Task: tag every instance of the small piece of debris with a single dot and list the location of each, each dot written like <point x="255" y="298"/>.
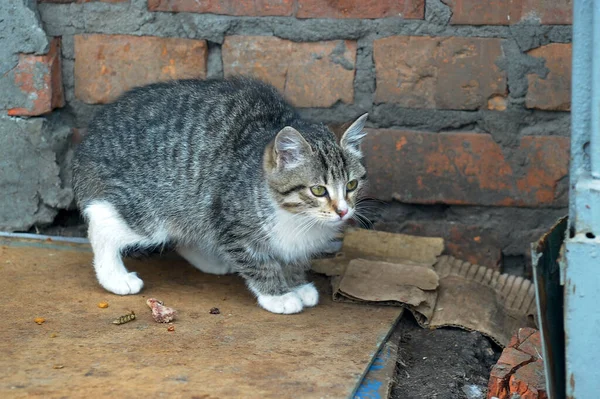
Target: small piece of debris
<point x="160" y="312"/>
<point x="215" y="311"/>
<point x="103" y="305"/>
<point x="39" y="320"/>
<point x="53" y="335"/>
<point x="473" y="392"/>
<point x="58" y="366"/>
<point x="171" y="328"/>
<point x="125" y="318"/>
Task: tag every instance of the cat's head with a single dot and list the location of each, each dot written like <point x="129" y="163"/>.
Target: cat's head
<point x="310" y="173"/>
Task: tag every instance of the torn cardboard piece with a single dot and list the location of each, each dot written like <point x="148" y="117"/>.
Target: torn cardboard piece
<point x="377" y="281"/>
<point x="439" y="290"/>
<point x="478" y="298"/>
<point x="382" y="246"/>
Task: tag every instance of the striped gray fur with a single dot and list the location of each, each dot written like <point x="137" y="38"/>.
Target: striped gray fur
<point x="221" y="166"/>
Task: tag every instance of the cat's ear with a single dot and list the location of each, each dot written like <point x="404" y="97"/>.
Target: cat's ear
<point x="290" y="148"/>
<point x="353" y="136"/>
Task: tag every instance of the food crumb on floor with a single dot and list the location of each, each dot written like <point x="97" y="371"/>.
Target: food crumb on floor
<point x="125" y="318"/>
<point x="39" y="320"/>
<point x="215" y="311"/>
<point x="160" y="312"/>
<point x="103" y="305"/>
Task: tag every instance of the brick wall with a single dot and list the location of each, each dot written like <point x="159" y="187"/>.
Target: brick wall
<point x="468" y="100"/>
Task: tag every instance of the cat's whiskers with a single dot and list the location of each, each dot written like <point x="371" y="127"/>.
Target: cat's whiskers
<point x="362" y="219"/>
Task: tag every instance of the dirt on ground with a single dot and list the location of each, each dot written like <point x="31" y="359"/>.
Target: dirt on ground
<point x="446" y="363"/>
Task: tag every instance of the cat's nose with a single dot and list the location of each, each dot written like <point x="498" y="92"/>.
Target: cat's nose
<point x="342" y="212"/>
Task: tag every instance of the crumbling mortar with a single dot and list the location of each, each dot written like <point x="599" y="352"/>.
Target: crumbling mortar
<point x="364" y="79"/>
<point x="214" y="62"/>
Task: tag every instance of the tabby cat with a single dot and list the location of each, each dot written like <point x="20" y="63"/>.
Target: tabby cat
<point x="227" y="172"/>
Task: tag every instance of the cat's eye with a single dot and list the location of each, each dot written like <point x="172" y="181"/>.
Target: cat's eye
<point x="318" y="191"/>
<point x="352" y="184"/>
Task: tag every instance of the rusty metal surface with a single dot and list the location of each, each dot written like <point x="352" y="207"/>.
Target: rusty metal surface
<point x="242" y="352"/>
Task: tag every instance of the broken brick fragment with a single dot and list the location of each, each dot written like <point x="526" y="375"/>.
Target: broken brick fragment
<point x="520" y="370"/>
<point x="510" y="360"/>
<point x="529" y="381"/>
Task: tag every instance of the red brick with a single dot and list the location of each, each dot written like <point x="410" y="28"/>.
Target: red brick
<point x="465" y="168"/>
<point x="309" y="74"/>
<point x="510" y="360"/>
<point x="554" y="91"/>
<point x="409" y="9"/>
<point x="39" y="77"/>
<point x="465" y="242"/>
<point x="529" y="381"/>
<point x="81" y="1"/>
<point x="502" y="12"/>
<point x="548" y="12"/>
<point x="108" y="65"/>
<point x="520" y="369"/>
<point x="438" y="72"/>
<point x="532" y="345"/>
<point x="521" y="336"/>
<point x="255" y="8"/>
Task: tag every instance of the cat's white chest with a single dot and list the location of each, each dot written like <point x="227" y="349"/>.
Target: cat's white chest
<point x="295" y="238"/>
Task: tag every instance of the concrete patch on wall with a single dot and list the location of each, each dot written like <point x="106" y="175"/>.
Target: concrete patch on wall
<point x="30" y="176"/>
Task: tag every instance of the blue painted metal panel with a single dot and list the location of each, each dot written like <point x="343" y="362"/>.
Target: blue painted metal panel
<point x="595" y="98"/>
<point x="587" y="205"/>
<point x="582" y="318"/>
<point x="582" y="269"/>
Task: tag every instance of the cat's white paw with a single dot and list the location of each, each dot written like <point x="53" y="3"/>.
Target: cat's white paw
<point x="122" y="284"/>
<point x="284" y="304"/>
<point x="308" y="294"/>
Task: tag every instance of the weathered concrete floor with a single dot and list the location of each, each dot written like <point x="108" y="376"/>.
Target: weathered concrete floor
<point x="242" y="352"/>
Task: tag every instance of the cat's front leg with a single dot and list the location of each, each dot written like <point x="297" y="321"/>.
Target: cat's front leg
<point x="268" y="282"/>
<point x="296" y="278"/>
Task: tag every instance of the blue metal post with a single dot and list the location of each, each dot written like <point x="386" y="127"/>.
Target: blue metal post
<point x="595" y="99"/>
<point x="582" y="269"/>
<point x="581" y="93"/>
